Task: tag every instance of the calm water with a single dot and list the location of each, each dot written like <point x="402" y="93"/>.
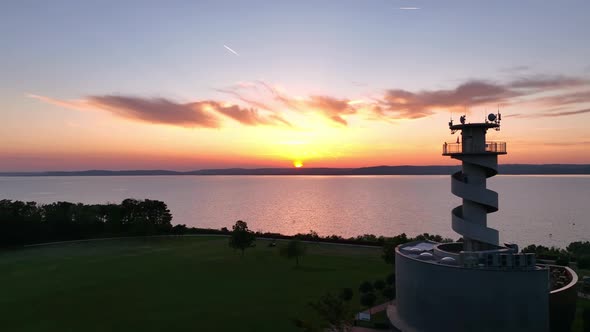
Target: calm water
<point x="550" y="210"/>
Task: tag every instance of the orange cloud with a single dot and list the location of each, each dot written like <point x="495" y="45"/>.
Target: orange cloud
<point x="203" y="114"/>
<point x="330" y="107"/>
<point x="158" y="110"/>
<point x="266" y="103"/>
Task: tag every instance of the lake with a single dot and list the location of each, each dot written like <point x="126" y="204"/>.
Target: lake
<point x="547" y="209"/>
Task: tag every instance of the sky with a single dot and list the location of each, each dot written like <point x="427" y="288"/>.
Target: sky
<point x="187" y="85"/>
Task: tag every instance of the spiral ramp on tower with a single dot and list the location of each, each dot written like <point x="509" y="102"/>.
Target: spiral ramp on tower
<point x="475" y="193"/>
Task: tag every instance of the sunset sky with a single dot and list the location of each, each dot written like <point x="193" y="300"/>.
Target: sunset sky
<point x="188" y="85"/>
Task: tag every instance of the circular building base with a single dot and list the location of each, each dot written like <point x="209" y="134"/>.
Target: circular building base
<point x="440" y="294"/>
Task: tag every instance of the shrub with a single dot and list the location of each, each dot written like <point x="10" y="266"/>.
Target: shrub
<point x="366" y="287"/>
<point x="346" y="294"/>
<point x="294" y="249"/>
<point x="368" y="299"/>
<point x="389" y="293"/>
<point x="562" y="260"/>
<point x="584" y="262"/>
<point x="379" y="284"/>
<point x="390" y="280"/>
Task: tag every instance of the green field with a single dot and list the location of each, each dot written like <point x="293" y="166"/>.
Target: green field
<point x="171" y="284"/>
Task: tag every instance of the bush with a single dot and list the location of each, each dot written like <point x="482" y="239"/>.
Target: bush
<point x="334" y="313"/>
<point x="381" y="325"/>
<point x="543" y="252"/>
<point x="368" y="299"/>
<point x="579" y="248"/>
<point x="586" y="319"/>
<point x="379" y="284"/>
<point x="366" y="287"/>
<point x="389" y="293"/>
<point x="390" y="280"/>
<point x="294" y="249"/>
<point x="584" y="262"/>
<point x="432" y="237"/>
<point x="346" y="294"/>
<point x="389" y="247"/>
<point x="562" y="261"/>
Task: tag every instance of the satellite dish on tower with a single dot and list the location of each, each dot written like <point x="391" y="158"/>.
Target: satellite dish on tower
<point x="492" y="117"/>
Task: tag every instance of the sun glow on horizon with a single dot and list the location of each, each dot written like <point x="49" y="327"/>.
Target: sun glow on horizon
<point x="297" y="163"/>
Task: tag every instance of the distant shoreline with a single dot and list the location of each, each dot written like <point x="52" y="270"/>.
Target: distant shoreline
<point x="508" y="169"/>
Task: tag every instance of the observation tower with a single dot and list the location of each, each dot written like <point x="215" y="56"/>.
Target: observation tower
<point x="477" y="284"/>
<point x="479" y="162"/>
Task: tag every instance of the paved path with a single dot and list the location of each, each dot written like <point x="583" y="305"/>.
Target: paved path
<point x="364" y="329"/>
<point x="373" y="310"/>
<point x="377" y="308"/>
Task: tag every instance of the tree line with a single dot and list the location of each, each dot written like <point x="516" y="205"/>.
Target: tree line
<point x="24" y="223"/>
<point x="576" y="251"/>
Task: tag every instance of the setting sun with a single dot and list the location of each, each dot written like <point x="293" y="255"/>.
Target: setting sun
<point x="297" y="163"/>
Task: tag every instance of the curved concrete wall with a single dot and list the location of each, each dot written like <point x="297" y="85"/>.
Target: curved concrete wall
<point x="435" y="297"/>
<point x="562" y="303"/>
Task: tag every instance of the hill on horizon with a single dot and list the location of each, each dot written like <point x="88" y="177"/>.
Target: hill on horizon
<point x="372" y="170"/>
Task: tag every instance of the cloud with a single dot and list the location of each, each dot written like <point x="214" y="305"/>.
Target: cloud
<point x="515" y="69"/>
<point x="403" y="104"/>
<point x="394" y="104"/>
<point x="543" y="82"/>
<point x="567" y="98"/>
<point x="251" y="102"/>
<point x="250" y="116"/>
<point x="566" y="143"/>
<point x="549" y="114"/>
<point x="78" y="104"/>
<point x="158" y="110"/>
<point x="260" y="103"/>
<point x="331" y="108"/>
<point x="413" y="105"/>
<point x="201" y="114"/>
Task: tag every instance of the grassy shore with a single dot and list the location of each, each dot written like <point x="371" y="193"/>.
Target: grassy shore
<point x="172" y="284"/>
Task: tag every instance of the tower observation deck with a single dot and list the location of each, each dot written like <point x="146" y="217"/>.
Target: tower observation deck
<point x="479" y="161"/>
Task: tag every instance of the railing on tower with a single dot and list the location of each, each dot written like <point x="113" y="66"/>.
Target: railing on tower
<point x="490" y="147"/>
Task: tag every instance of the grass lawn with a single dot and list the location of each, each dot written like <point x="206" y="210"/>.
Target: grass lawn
<point x="172" y="284"/>
<point x="579" y="323"/>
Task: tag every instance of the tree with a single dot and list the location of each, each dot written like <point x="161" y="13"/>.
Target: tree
<point x="583" y="262"/>
<point x="346" y="294"/>
<point x="579" y="248"/>
<point x="293" y="249"/>
<point x="389" y="293"/>
<point x="306" y="325"/>
<point x="433" y="237"/>
<point x="368" y="300"/>
<point x="366" y="287"/>
<point x="389" y="247"/>
<point x="379" y="284"/>
<point x="335" y="314"/>
<point x="241" y="237"/>
<point x="390" y="280"/>
<point x="586" y="319"/>
<point x="26" y="222"/>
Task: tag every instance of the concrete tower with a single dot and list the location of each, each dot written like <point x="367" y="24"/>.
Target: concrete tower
<point x="480" y="161"/>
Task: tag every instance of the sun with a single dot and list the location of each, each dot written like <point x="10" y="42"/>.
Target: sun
<point x="297" y="163"/>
